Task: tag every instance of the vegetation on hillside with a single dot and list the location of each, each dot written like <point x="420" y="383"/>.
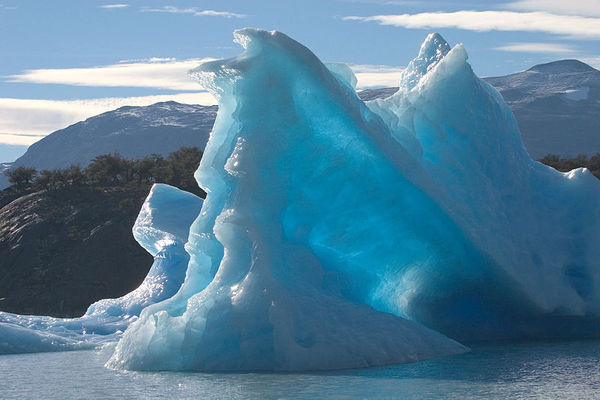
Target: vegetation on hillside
<point x="567" y="164"/>
<point x="110" y="170"/>
<point x="65" y="235"/>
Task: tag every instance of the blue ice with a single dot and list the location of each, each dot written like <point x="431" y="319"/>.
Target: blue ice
<point x="331" y="226"/>
<point x="339" y="234"/>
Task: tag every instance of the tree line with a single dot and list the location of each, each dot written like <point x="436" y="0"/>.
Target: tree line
<point x="177" y="169"/>
<point x="111" y="170"/>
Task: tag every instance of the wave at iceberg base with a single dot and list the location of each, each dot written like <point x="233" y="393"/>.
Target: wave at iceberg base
<point x="161" y="228"/>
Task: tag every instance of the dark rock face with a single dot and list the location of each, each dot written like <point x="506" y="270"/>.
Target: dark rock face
<point x="62" y="250"/>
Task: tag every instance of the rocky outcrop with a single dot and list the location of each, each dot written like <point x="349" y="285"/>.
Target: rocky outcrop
<point x="61" y="250"/>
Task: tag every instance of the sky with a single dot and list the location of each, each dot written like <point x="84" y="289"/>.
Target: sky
<point x="64" y="61"/>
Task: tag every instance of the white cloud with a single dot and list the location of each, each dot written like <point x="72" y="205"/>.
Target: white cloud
<point x="528" y="47"/>
<point x="24" y="121"/>
<point x="168" y="73"/>
<point x="153" y="74"/>
<point x="19" y="140"/>
<point x="111" y="6"/>
<point x="148" y="60"/>
<point x="194" y="11"/>
<point x="569" y="25"/>
<point x="576" y="7"/>
<point x="370" y="76"/>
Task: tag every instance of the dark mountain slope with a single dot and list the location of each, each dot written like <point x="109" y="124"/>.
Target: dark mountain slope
<point x="61" y="250"/>
<point x="557" y="106"/>
<point x="65" y="236"/>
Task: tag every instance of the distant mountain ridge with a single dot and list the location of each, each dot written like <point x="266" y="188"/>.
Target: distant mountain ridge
<point x="562" y="66"/>
<point x="133" y="132"/>
<point x="557" y="106"/>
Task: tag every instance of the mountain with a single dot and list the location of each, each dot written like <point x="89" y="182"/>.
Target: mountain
<point x="133" y="132"/>
<point x="557" y="106"/>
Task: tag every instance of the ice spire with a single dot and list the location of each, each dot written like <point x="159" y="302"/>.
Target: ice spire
<point x="433" y="49"/>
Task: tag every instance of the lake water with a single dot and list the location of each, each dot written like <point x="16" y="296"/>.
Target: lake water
<point x="516" y="371"/>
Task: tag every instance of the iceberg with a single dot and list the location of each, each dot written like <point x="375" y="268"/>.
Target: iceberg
<point x="322" y="211"/>
<point x="162" y="228"/>
<point x="342" y="234"/>
<point x="300" y="187"/>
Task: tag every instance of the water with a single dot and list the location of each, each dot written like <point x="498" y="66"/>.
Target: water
<point x="522" y="371"/>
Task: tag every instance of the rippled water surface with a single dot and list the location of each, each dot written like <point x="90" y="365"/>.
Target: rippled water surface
<point x="524" y="371"/>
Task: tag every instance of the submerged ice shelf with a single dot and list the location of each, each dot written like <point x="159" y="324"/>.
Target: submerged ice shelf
<point x="339" y="234"/>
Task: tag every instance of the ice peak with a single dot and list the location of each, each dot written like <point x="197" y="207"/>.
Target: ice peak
<point x="433" y="49"/>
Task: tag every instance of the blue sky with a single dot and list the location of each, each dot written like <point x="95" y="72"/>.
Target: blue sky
<point x="63" y="61"/>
